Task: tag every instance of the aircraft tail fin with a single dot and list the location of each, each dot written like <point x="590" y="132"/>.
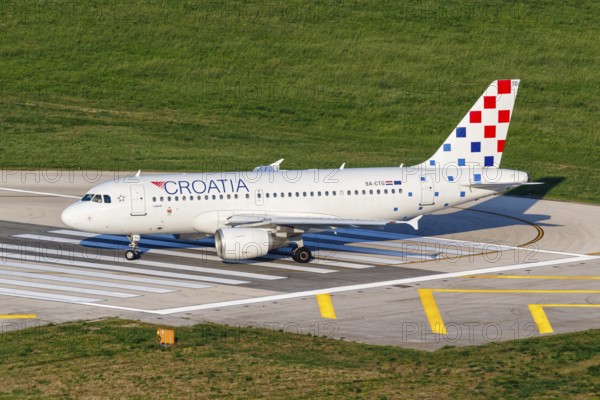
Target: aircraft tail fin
<point x="478" y="140"/>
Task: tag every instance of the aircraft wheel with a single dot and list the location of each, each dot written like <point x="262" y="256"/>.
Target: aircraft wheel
<point x="132" y="255"/>
<point x="302" y="255"/>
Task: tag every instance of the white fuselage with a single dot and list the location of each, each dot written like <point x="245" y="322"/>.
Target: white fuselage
<point x="203" y="202"/>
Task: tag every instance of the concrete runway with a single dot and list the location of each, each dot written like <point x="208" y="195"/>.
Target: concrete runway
<point x="501" y="269"/>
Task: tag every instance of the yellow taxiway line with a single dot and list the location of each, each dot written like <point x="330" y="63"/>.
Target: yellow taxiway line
<point x="17" y="316"/>
<point x="560" y="277"/>
<point x="326" y="305"/>
<point x="436" y="323"/>
<point x="541" y="319"/>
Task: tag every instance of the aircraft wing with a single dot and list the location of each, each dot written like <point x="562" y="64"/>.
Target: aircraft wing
<point x="307" y="223"/>
<point x="498" y="187"/>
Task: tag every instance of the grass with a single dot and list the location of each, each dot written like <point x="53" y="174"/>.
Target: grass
<point x="163" y="85"/>
<point x="119" y="358"/>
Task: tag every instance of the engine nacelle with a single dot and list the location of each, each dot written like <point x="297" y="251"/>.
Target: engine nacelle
<point x="245" y="243"/>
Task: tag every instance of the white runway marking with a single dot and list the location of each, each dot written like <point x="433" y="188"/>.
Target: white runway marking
<point x="108" y="267"/>
<point x="288" y="267"/>
<point x="47" y="296"/>
<point x="62" y="288"/>
<point x="356" y="257"/>
<point x="143" y="242"/>
<point x="163" y="282"/>
<point x="420" y="246"/>
<point x="316" y="239"/>
<point x="446" y="242"/>
<point x="98" y="257"/>
<point x="326" y="262"/>
<point x="203" y="257"/>
<point x="205" y="247"/>
<point x="196" y="245"/>
<point x="90" y="282"/>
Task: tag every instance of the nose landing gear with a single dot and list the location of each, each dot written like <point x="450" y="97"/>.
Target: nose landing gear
<point x="133" y="253"/>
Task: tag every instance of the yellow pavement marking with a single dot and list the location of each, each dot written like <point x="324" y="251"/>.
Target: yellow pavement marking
<point x="432" y="311"/>
<point x="326" y="306"/>
<point x="512" y="291"/>
<point x="541" y="319"/>
<point x="17" y="316"/>
<point x="585" y="278"/>
<point x="436" y="323"/>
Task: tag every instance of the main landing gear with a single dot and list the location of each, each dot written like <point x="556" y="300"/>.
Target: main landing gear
<point x="133" y="253"/>
<point x="301" y="254"/>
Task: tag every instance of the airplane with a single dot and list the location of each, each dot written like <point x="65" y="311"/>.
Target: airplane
<point x="253" y="212"/>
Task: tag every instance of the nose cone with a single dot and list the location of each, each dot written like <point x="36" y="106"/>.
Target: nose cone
<point x="70" y="216"/>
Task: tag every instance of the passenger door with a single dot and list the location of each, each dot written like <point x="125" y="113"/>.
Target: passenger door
<point x="138" y="200"/>
<point x="427" y="190"/>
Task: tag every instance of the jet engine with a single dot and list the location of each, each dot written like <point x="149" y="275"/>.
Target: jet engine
<point x="244" y="243"/>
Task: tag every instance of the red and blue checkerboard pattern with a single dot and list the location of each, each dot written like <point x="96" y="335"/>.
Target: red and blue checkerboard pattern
<point x="479" y="139"/>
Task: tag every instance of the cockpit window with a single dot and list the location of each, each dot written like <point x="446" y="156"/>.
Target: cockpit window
<point x="96" y="198"/>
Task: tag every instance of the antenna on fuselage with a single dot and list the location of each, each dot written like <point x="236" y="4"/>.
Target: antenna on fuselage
<point x="343" y="165"/>
<point x="137" y="175"/>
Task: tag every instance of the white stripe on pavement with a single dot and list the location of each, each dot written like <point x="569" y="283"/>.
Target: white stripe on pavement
<point x="203" y="257"/>
<point x="356" y="257"/>
<point x="62" y="288"/>
<point x="108" y="267"/>
<point x="151" y="263"/>
<point x="84" y="281"/>
<point x="46" y="296"/>
<point x="163" y="282"/>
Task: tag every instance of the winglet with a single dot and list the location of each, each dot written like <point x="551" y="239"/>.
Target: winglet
<point x="271" y="167"/>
